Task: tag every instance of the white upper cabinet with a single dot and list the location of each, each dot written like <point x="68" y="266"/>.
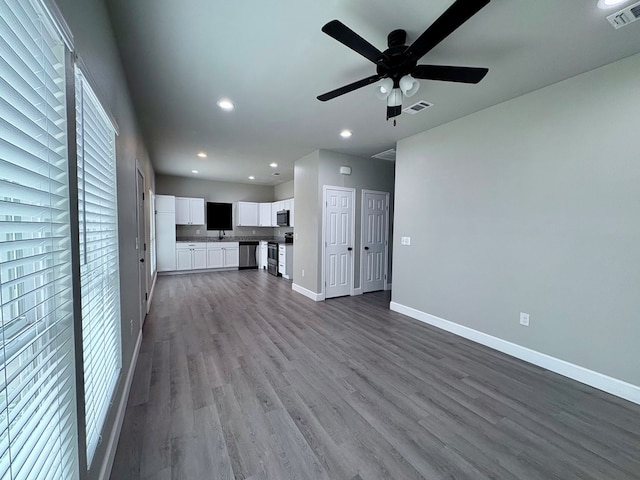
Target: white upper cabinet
<point x="265" y="215"/>
<point x="165" y="204"/>
<point x="291" y="212"/>
<point x="196" y="206"/>
<point x="189" y="211"/>
<point x="275" y="208"/>
<point x="248" y="214"/>
<point x="288" y="205"/>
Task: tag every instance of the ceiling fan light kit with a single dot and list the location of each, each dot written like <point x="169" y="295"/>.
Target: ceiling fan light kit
<point x="397" y="70"/>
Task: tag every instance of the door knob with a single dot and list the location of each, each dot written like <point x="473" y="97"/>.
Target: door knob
<point x="349" y="248"/>
<point x="142" y="260"/>
<point x="366" y="248"/>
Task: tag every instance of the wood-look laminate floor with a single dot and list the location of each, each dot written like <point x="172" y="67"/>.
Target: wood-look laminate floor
<point x="241" y="378"/>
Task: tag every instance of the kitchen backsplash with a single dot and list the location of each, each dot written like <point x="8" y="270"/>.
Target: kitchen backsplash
<point x="201" y="231"/>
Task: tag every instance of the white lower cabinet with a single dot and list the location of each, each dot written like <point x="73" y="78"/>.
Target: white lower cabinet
<point x="191" y="256"/>
<point x="223" y="254"/>
<point x="285" y="261"/>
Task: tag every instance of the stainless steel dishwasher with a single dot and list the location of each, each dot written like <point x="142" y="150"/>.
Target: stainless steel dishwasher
<point x="248" y="255"/>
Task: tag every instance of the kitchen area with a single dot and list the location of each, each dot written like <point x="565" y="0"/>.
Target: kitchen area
<point x="195" y="235"/>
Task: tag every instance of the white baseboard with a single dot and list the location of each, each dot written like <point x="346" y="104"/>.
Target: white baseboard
<point x="357" y="291"/>
<point x="594" y="379"/>
<point x="316" y="297"/>
<point x="153" y="289"/>
<point x="112" y="446"/>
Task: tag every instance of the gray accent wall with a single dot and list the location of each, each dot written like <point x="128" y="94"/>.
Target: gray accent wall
<point x="95" y="44"/>
<point x="311" y="174"/>
<point x="531" y="206"/>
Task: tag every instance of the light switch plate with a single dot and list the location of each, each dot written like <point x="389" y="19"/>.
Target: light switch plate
<point x="405" y="240"/>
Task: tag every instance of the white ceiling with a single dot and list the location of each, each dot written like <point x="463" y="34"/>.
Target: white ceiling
<point x="272" y="60"/>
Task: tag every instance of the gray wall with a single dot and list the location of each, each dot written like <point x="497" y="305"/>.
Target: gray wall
<point x="307" y="216"/>
<point x="531" y="206"/>
<point x="283" y="191"/>
<point x="312" y="173"/>
<point x="213" y="191"/>
<point x="95" y="43"/>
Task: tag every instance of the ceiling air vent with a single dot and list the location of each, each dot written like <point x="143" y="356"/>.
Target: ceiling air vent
<point x="386" y="155"/>
<point x="418" y="107"/>
<point x="625" y="16"/>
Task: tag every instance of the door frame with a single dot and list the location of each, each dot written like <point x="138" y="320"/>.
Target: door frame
<point x="386" y="238"/>
<point x="142" y="243"/>
<point x="352" y="191"/>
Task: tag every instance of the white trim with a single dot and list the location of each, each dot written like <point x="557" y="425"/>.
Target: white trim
<point x="386" y="235"/>
<point x="352" y="265"/>
<point x="107" y="464"/>
<point x="142" y="242"/>
<point x="387" y="286"/>
<point x="153" y="289"/>
<point x="316" y="297"/>
<point x="357" y="291"/>
<point x="594" y="379"/>
<point x="59" y="23"/>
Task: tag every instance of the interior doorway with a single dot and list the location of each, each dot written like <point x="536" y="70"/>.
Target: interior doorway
<point x="338" y="234"/>
<point x="374" y="240"/>
<point x="141" y="245"/>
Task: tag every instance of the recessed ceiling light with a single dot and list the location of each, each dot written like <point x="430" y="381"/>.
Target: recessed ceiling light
<point x="202" y="154"/>
<point x="273" y="165"/>
<point x="604" y="4"/>
<point x="345" y="133"/>
<point x="194" y="171"/>
<point x="251" y="177"/>
<point x="225" y="104"/>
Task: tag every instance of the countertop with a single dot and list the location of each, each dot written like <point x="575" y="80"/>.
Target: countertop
<point x="214" y="238"/>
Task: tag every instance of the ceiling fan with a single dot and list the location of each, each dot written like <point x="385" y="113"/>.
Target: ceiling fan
<point x="397" y="66"/>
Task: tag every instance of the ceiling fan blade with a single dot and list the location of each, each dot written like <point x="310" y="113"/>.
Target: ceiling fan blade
<point x="449" y="21"/>
<point x="349" y="88"/>
<point x="339" y="31"/>
<point x="449" y="74"/>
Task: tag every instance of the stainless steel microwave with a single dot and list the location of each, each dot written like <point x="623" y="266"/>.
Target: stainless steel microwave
<point x="283" y="218"/>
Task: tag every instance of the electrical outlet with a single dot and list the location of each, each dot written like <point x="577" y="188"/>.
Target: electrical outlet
<point x="303" y="272"/>
<point x="405" y="240"/>
<point x="131" y="326"/>
<point x="524" y="319"/>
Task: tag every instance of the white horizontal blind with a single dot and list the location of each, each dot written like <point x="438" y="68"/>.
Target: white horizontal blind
<point x="99" y="272"/>
<point x="38" y="429"/>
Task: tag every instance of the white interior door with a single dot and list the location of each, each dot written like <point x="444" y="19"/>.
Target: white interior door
<point x="375" y="227"/>
<point x="339" y="233"/>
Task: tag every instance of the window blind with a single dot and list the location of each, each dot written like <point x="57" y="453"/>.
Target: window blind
<point x="38" y="429"/>
<point x="99" y="272"/>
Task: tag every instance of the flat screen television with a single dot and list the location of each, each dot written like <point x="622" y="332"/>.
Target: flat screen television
<point x="219" y="216"/>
